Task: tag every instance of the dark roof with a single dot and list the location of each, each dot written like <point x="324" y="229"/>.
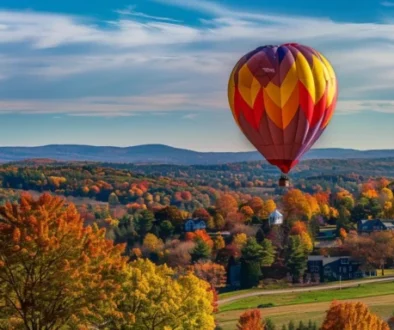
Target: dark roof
<point x="326" y="260"/>
<point x="369" y="224"/>
<point x="195" y="220"/>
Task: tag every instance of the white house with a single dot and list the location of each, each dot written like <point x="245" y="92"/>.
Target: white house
<point x="275" y="218"/>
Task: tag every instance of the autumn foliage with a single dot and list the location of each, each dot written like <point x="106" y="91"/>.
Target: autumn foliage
<point x="199" y="234"/>
<point x="161" y="300"/>
<point x="210" y="272"/>
<point x="250" y="320"/>
<point x="53" y="270"/>
<point x="352" y="316"/>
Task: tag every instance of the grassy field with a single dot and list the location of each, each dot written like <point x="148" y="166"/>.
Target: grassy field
<point x="371" y="289"/>
<point x="387" y="273"/>
<point x="381" y="305"/>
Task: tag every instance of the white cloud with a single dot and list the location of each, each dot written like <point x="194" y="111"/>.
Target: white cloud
<point x="190" y="116"/>
<point x="142" y="62"/>
<point x="116" y="106"/>
<point x="387" y="4"/>
<point x="129" y="11"/>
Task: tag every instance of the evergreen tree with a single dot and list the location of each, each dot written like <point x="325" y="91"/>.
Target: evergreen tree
<point x="253" y="251"/>
<point x="260" y="236"/>
<point x="291" y="325"/>
<point x="284" y="327"/>
<point x="269" y="325"/>
<point x="268" y="255"/>
<point x="252" y="256"/>
<point x="143" y="223"/>
<point x="166" y="229"/>
<point x="201" y="251"/>
<point x="250" y="273"/>
<point x="296" y="259"/>
<point x="155" y="230"/>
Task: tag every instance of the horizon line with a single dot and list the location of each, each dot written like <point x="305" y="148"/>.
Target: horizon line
<point x="170" y="146"/>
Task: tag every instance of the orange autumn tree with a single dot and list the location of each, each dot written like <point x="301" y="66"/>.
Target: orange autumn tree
<point x="226" y="204"/>
<point x="199" y="234"/>
<point x="296" y="204"/>
<point x="54" y="271"/>
<point x="250" y="320"/>
<point x="298" y="228"/>
<point x="352" y="316"/>
<point x="210" y="272"/>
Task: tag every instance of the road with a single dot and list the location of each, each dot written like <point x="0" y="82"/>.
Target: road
<point x="311" y="288"/>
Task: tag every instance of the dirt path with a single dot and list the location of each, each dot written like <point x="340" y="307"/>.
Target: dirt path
<point x="313" y="288"/>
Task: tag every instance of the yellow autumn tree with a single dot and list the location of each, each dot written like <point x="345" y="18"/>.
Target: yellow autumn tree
<point x="240" y="240"/>
<point x="54" y="272"/>
<point x="306" y="242"/>
<point x="297" y="205"/>
<point x="152" y="243"/>
<point x="161" y="300"/>
<point x="268" y="207"/>
<point x="352" y="316"/>
<point x="219" y="243"/>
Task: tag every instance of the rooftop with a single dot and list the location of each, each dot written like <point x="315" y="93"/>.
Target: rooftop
<point x="326" y="260"/>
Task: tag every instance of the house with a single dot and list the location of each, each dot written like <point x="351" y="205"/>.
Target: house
<point x="336" y="268"/>
<point x="192" y="225"/>
<point x="369" y="226"/>
<point x="275" y="218"/>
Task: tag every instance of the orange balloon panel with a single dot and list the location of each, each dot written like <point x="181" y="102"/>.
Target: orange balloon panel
<point x="282" y="98"/>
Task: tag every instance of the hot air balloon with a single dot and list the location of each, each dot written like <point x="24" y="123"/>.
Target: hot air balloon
<point x="282" y="98"/>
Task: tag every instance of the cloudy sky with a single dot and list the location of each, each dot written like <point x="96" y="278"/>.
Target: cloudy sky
<point x="155" y="71"/>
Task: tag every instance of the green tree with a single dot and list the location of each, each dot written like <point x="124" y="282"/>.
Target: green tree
<point x="252" y="257"/>
<point x="291" y="325"/>
<point x="144" y="223"/>
<point x="296" y="258"/>
<point x="201" y="251"/>
<point x="166" y="229"/>
<point x="269" y="324"/>
<point x="268" y="256"/>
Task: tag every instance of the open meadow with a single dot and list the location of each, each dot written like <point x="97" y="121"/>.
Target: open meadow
<point x="381" y="305"/>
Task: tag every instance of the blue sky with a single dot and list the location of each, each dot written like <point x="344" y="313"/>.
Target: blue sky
<point x="156" y="71"/>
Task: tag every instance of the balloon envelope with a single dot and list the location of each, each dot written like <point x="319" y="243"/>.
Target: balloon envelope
<point x="282" y="98"/>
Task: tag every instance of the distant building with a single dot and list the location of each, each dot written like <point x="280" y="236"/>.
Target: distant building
<point x="192" y="225"/>
<point x="335" y="268"/>
<point x="275" y="218"/>
<point x="369" y="226"/>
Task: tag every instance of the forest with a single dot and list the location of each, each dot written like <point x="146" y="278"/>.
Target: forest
<point x="120" y="232"/>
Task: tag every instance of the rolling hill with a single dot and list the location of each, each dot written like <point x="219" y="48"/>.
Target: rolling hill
<point x="163" y="154"/>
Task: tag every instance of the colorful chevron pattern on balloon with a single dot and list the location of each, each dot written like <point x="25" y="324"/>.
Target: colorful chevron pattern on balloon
<point x="282" y="98"/>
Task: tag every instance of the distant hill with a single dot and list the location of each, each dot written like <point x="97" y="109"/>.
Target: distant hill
<point x="162" y="154"/>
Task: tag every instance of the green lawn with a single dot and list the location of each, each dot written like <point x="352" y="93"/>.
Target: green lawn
<point x="387" y="273"/>
<point x="367" y="290"/>
<point x="228" y="320"/>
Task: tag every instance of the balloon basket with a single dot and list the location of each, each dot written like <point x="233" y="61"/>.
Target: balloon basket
<point x="284" y="181"/>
